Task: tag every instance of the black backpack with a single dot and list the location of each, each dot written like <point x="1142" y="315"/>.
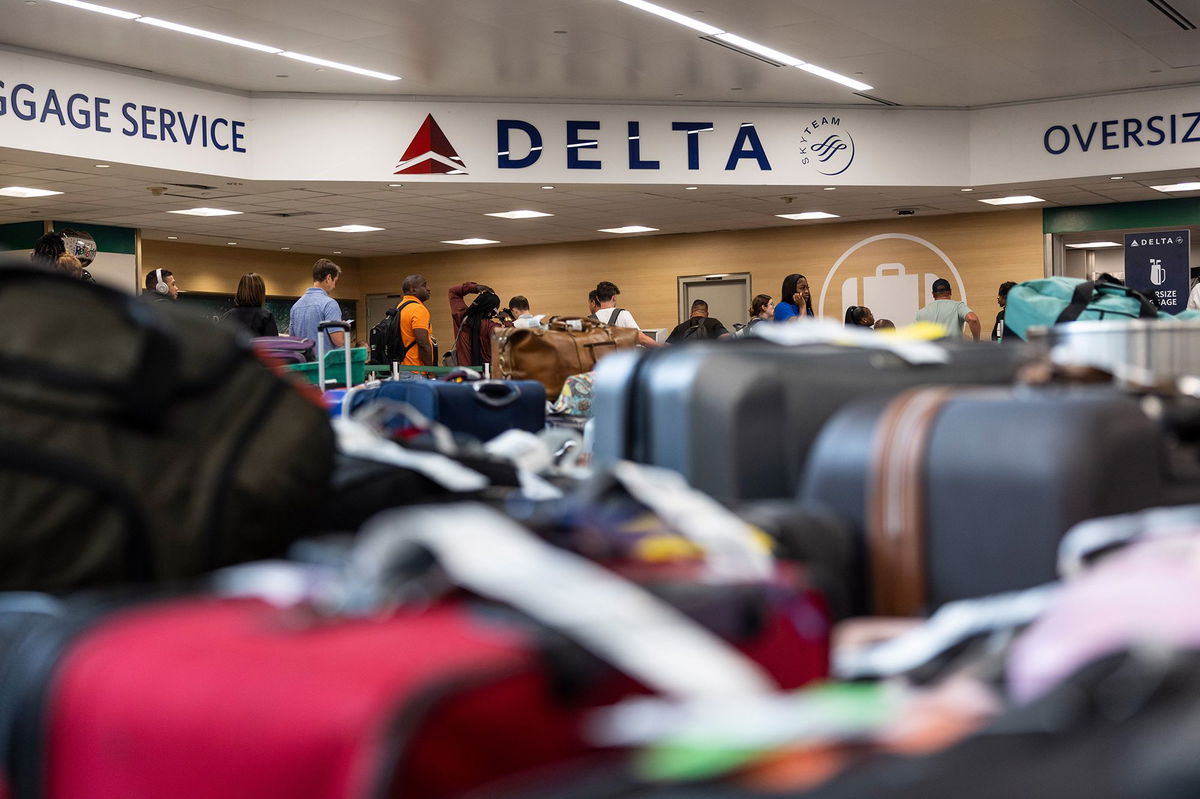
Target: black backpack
<point x="384" y="338"/>
<point x="140" y="442"/>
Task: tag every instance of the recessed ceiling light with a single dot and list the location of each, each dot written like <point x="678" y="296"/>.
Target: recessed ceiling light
<point x="21" y="191"/>
<point x="690" y="188"/>
<point x="103" y="166"/>
<point x="352" y="229"/>
<point x="520" y="214"/>
<point x="1178" y="187"/>
<point x="370" y="73"/>
<point x="1016" y="199"/>
<point x="674" y="16"/>
<point x="285" y="248"/>
<point x="1093" y="245"/>
<point x="469" y="242"/>
<point x="172" y="238"/>
<point x="337" y="252"/>
<point x="829" y="74"/>
<point x="395" y="185"/>
<point x="231" y="243"/>
<point x="205" y="212"/>
<point x="628" y="228"/>
<point x="966" y="190"/>
<point x="808" y="215"/>
<point x="218" y="37"/>
<point x="112" y="12"/>
<point x="1117" y="177"/>
<point x="547" y="187"/>
<point x="830" y="188"/>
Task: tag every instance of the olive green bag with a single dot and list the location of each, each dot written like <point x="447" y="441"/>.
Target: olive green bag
<point x="139" y="443"/>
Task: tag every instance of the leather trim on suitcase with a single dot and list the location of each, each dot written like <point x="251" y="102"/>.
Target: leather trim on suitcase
<point x="896" y="502"/>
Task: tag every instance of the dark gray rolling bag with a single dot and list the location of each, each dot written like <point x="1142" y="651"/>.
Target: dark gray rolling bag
<point x="960" y="492"/>
<point x="737" y="418"/>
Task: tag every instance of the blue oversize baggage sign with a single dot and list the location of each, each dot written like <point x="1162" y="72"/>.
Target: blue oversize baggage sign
<point x="1156" y="264"/>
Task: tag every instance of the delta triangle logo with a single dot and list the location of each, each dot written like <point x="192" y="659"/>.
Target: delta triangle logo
<point x="430" y="153"/>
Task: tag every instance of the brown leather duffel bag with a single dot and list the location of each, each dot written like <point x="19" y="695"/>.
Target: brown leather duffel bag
<point x="571" y="346"/>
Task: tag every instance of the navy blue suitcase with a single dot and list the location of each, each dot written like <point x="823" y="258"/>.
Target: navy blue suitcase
<point x="483" y="408"/>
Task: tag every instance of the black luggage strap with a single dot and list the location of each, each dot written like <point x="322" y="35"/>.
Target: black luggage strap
<point x="1085" y="292"/>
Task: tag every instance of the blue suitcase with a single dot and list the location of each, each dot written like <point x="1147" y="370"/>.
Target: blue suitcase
<point x="483" y="408"/>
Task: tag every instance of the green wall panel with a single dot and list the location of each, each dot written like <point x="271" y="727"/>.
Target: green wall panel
<point x="1121" y="216"/>
<point x="21" y="235"/>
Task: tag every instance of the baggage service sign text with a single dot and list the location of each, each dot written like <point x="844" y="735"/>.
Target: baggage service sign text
<point x="49" y="106"/>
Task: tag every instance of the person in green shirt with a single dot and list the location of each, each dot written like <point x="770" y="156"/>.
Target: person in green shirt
<point x="950" y="314"/>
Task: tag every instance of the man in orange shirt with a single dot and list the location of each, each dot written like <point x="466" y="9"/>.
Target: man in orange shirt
<point x="416" y="331"/>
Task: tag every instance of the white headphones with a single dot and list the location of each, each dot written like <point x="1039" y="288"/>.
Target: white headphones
<point x="160" y="285"/>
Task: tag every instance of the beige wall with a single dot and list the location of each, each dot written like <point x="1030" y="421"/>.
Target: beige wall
<point x="987" y="248"/>
<point x="203" y="268"/>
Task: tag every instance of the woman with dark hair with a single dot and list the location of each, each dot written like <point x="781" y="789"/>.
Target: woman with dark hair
<point x="48" y="249"/>
<point x="795" y="300"/>
<point x="249" y="307"/>
<point x="762" y="308"/>
<point x="859" y="316"/>
<point x="474" y="323"/>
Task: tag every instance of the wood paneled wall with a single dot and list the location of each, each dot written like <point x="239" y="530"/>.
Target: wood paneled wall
<point x="986" y="248"/>
<point x="203" y="268"/>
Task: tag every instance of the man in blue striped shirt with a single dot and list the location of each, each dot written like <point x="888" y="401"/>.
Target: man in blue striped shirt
<point x="316" y="306"/>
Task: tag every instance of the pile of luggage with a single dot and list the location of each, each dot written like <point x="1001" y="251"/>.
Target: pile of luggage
<point x="208" y="587"/>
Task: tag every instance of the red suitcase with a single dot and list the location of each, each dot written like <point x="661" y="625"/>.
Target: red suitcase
<point x="238" y="698"/>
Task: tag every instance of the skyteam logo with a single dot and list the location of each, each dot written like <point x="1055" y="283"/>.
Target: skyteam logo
<point x="827" y="147"/>
<point x="430" y="153"/>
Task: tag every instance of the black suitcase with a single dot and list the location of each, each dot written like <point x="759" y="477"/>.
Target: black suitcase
<point x="737" y="418"/>
<point x="960" y="492"/>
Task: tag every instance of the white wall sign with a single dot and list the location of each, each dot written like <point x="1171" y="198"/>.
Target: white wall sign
<point x="69" y="109"/>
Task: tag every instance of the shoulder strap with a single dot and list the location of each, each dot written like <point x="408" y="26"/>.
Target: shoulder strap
<point x="404" y="348"/>
<point x="616" y="313"/>
<point x="1085" y="293"/>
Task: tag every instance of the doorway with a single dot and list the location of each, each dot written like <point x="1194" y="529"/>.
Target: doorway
<point x="727" y="294"/>
<point x="377" y="307"/>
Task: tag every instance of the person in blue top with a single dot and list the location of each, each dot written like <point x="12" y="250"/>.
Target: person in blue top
<point x="316" y="306"/>
<point x="794" y="299"/>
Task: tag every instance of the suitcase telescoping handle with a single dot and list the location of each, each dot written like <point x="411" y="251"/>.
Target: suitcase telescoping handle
<point x="616" y="620"/>
<point x="322" y="327"/>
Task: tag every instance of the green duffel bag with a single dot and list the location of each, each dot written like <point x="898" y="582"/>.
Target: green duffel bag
<point x="1051" y="301"/>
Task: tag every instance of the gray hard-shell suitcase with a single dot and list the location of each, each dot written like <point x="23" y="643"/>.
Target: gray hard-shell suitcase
<point x="737" y="417"/>
<point x="960" y="492"/>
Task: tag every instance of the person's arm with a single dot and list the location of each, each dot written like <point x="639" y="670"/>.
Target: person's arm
<point x="424" y="346"/>
<point x="646" y="341"/>
<point x="973" y="324"/>
<point x="458" y="306"/>
<point x="719" y="330"/>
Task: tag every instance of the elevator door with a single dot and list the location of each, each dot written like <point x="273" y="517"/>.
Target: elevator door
<point x="728" y="296"/>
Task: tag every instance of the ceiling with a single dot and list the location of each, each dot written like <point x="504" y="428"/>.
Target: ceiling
<point x="917" y="53"/>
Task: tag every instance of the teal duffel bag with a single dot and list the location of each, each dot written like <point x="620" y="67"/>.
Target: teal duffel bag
<point x="1041" y="303"/>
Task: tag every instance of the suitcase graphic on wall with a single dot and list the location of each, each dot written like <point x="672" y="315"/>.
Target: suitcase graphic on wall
<point x="891" y="293"/>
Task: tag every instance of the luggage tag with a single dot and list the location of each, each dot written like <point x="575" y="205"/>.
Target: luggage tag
<point x="826" y="332"/>
<point x="487" y="553"/>
<point x="734" y="552"/>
